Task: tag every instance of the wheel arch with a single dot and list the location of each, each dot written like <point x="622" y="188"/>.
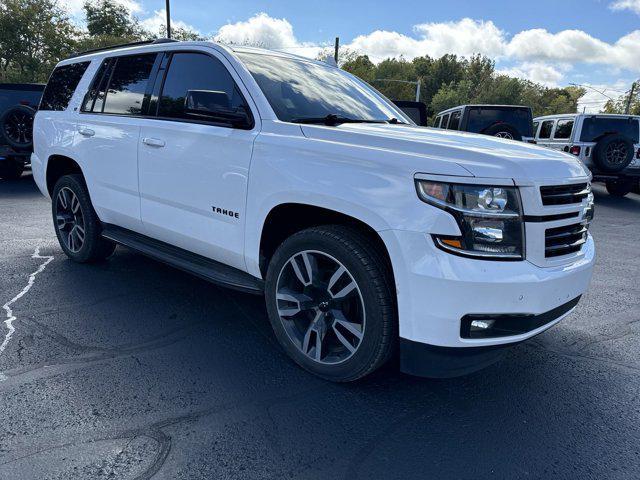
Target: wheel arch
<point x="58" y="166"/>
<point x="285" y="219"/>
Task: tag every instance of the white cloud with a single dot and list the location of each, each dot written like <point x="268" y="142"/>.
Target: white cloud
<point x="633" y="5"/>
<point x="598" y="95"/>
<point x="545" y="74"/>
<point x="267" y="32"/>
<point x="157" y="22"/>
<point x="262" y="30"/>
<point x="464" y="37"/>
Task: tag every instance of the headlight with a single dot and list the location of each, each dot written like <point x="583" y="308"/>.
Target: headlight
<point x="490" y="218"/>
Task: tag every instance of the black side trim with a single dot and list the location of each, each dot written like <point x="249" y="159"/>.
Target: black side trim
<point x="550" y="218"/>
<point x="203" y="267"/>
<point x="510" y="324"/>
<point x="431" y="361"/>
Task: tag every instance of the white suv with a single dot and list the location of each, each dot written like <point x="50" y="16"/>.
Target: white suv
<point x="290" y="178"/>
<point x="609" y="145"/>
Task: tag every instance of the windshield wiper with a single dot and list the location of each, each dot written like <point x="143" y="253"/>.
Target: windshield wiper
<point x="332" y="120"/>
<point x="395" y="121"/>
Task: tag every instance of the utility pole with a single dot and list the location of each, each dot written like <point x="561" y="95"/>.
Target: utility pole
<point x="336" y="48"/>
<point x="628" y="107"/>
<point x="168" y="10"/>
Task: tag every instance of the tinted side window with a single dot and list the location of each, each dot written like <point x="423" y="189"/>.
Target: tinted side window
<point x="563" y="129"/>
<point x="92" y="93"/>
<point x="61" y="85"/>
<point x="535" y="128"/>
<point x="545" y="129"/>
<point x="454" y="123"/>
<point x="128" y="84"/>
<point x="445" y="121"/>
<point x="595" y="127"/>
<point x="198" y="72"/>
<point x="436" y="122"/>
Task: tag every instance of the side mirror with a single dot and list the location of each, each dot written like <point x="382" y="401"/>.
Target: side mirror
<point x="216" y="106"/>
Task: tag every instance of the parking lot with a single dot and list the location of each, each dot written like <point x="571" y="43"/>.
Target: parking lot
<point x="132" y="369"/>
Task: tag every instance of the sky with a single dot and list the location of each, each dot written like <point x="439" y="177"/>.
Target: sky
<point x="556" y="43"/>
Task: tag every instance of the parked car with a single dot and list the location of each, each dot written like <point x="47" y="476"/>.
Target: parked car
<point x="512" y="122"/>
<point x="609" y="145"/>
<point x="289" y="178"/>
<point x="18" y="103"/>
<point x="416" y="111"/>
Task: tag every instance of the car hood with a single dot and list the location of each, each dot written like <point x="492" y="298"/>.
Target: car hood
<point x="480" y="155"/>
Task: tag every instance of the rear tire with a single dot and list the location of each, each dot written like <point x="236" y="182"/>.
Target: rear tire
<point x="503" y="130"/>
<point x="357" y="330"/>
<point x="619" y="188"/>
<point x="76" y="223"/>
<point x="613" y="153"/>
<point x="11" y="169"/>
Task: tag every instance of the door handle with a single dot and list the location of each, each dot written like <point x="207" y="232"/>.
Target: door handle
<point x="86" y="132"/>
<point x="153" y="142"/>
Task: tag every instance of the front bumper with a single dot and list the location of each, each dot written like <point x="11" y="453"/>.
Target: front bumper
<point x="436" y="290"/>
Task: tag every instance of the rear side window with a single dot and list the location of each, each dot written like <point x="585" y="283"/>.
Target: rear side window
<point x="481" y="118"/>
<point x="97" y="88"/>
<point x="61" y="85"/>
<point x="200" y="74"/>
<point x="545" y="129"/>
<point x="563" y="129"/>
<point x="128" y="85"/>
<point x="454" y="123"/>
<point x="535" y="128"/>
<point x="594" y="128"/>
<point x="436" y="122"/>
<point x="445" y="121"/>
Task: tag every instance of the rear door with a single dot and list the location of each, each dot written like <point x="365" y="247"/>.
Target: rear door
<point x="193" y="170"/>
<point x="561" y="136"/>
<point x="107" y="136"/>
<point x="545" y="132"/>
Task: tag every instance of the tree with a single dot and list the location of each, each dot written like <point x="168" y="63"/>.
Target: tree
<point x="108" y="18"/>
<point x="34" y="36"/>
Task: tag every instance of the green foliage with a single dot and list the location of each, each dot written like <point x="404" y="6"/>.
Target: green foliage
<point x="451" y="80"/>
<point x="34" y="36"/>
<point x="109" y="19"/>
<point x="620" y="105"/>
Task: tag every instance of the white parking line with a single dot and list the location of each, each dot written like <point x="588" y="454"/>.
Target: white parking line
<point x="7" y="306"/>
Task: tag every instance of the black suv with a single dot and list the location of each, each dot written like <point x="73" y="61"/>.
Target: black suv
<point x="512" y="122"/>
<point x="18" y="104"/>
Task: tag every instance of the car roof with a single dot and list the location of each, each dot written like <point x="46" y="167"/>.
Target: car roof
<point x="574" y="115"/>
<point x="22" y="86"/>
<point x="162" y="44"/>
<point x="482" y="105"/>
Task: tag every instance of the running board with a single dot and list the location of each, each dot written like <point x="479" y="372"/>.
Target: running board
<point x="198" y="265"/>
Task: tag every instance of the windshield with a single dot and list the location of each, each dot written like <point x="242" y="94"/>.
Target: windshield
<point x="298" y="90"/>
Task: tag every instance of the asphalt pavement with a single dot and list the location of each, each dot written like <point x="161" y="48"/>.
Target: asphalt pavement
<point x="132" y="369"/>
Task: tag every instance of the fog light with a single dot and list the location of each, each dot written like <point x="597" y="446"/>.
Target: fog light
<point x="481" y="324"/>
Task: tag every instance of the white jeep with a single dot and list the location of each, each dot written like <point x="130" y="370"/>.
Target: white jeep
<point x="609" y="145"/>
<point x="293" y="179"/>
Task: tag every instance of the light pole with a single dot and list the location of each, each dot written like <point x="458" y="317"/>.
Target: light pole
<point x="416" y="83"/>
<point x="168" y="10"/>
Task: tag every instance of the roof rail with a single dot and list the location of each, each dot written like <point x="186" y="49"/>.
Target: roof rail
<point x="130" y="44"/>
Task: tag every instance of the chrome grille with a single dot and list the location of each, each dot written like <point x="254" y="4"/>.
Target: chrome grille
<point x="564" y="194"/>
<point x="564" y="240"/>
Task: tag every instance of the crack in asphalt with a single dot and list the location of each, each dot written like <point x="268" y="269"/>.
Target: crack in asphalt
<point x="11" y="318"/>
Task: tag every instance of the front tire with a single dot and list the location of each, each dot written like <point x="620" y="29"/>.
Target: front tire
<point x="619" y="188"/>
<point x="331" y="302"/>
<point x="77" y="225"/>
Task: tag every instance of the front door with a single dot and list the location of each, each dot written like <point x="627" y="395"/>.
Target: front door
<point x="193" y="168"/>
